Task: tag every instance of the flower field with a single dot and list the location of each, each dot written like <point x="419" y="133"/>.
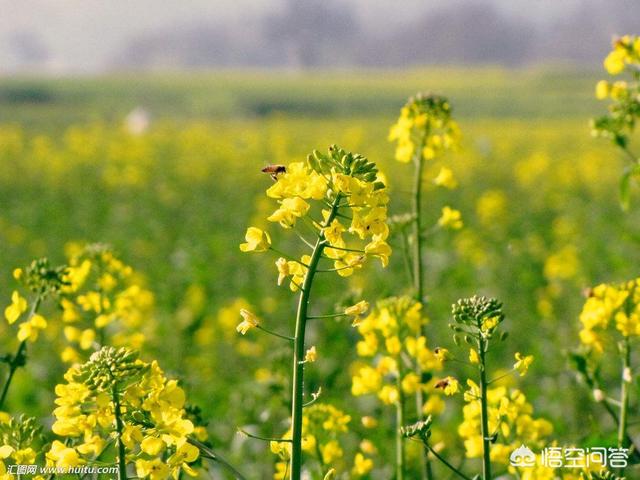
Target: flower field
<point x="181" y="282"/>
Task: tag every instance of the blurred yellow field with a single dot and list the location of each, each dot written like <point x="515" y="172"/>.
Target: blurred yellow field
<point x="524" y="207"/>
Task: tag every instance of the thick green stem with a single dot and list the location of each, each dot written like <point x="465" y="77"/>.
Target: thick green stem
<point x="17" y="360"/>
<point x="624" y="393"/>
<point x="418" y="276"/>
<point x="417" y="225"/>
<point x="400" y="453"/>
<point x="297" y="394"/>
<point x="486" y="442"/>
<point x="117" y="411"/>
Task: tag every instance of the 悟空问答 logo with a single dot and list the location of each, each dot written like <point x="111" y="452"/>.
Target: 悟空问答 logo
<point x="522" y="457"/>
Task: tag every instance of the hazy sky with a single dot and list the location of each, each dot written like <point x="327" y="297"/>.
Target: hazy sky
<point x="82" y="35"/>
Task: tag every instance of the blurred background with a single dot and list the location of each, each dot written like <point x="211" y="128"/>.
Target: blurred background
<point x="145" y="125"/>
<point x="76" y="36"/>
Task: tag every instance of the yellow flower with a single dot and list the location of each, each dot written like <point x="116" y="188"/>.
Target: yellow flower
<point x="311" y="355"/>
<point x="522" y="363"/>
<point x="410" y="383"/>
<point x="62" y="456"/>
<point x="387" y="366"/>
<point x="290" y="209"/>
<point x="299" y="181"/>
<point x="152" y="446"/>
<point x="450" y="218"/>
<point x="356" y="310"/>
<point x="404" y="152"/>
<point x="368" y="346"/>
<point x="283" y="269"/>
<point x="367" y="380"/>
<point x="449" y="386"/>
<point x="434" y="405"/>
<point x="155" y="469"/>
<point x="474" y="358"/>
<point x="369" y="422"/>
<point x="614" y="62"/>
<point x="250" y="321"/>
<point x="6" y="451"/>
<point x="282" y="470"/>
<point x="393" y="345"/>
<point x="29" y="330"/>
<point x="380" y="249"/>
<point x="18" y="307"/>
<point x="441" y="354"/>
<point x="331" y="451"/>
<point x="446" y="179"/>
<point x="389" y="395"/>
<point x="602" y="89"/>
<point x="362" y="465"/>
<point x="257" y="241"/>
<point x="488" y="324"/>
<point x="201" y="434"/>
<point x="87" y="338"/>
<point x="333" y="233"/>
<point x="186" y="453"/>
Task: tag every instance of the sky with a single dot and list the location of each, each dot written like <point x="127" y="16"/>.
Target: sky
<point x="84" y="35"/>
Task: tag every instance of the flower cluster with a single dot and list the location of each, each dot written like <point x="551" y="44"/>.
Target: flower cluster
<point x="511" y="423"/>
<point x="115" y="395"/>
<point x="624" y="109"/>
<point x="20" y="439"/>
<point x="625" y="54"/>
<point x="42" y="281"/>
<point x="322" y="428"/>
<point x="607" y="305"/>
<point x="391" y="337"/>
<point x="103" y="303"/>
<point x="347" y="193"/>
<point x="425" y="123"/>
<point x="496" y="419"/>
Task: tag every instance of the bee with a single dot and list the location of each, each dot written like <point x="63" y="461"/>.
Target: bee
<point x="274" y="171"/>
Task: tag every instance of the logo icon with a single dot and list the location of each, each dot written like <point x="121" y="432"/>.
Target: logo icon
<point x="522" y="457"/>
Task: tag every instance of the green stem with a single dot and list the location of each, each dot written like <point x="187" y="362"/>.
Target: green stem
<point x="329" y="315"/>
<point x="16" y="360"/>
<point x="405" y="255"/>
<point x="211" y="455"/>
<point x="275" y="334"/>
<point x="445" y="462"/>
<point x="624" y="394"/>
<point x="635" y="451"/>
<point x="417" y="223"/>
<point x="400" y="453"/>
<point x="13" y="366"/>
<point x="418" y="275"/>
<point x="122" y="464"/>
<point x="486" y="444"/>
<point x="264" y="439"/>
<point x="299" y="348"/>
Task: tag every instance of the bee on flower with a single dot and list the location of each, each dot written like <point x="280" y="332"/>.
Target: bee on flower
<point x="341" y="198"/>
